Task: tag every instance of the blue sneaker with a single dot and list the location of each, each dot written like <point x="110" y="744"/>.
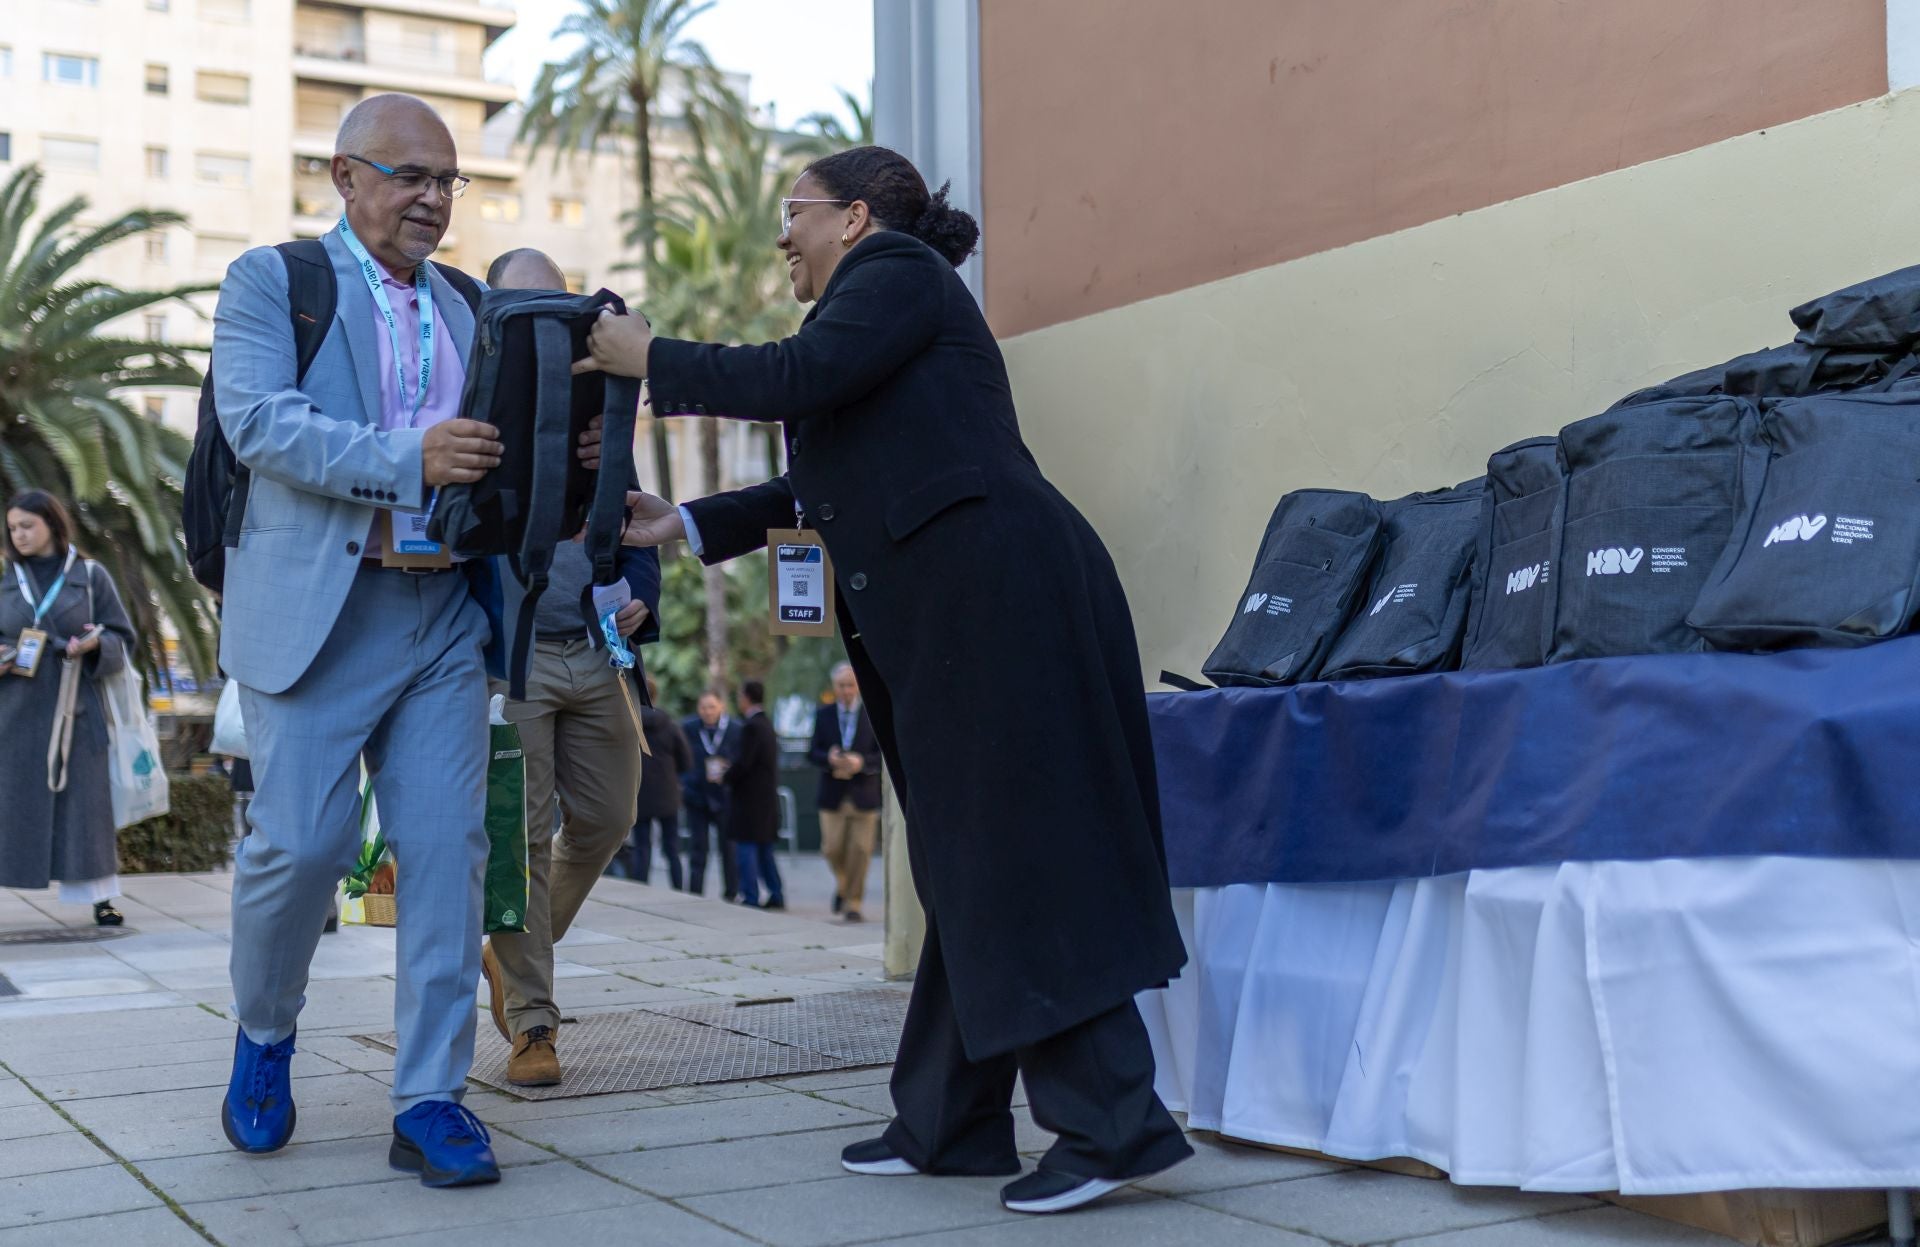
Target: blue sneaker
<point x="443" y="1143"/>
<point x="258" y="1113"/>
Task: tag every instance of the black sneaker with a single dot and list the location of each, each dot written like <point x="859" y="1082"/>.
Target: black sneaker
<point x="1045" y="1190"/>
<point x="873" y="1156"/>
<point x="838" y="901"/>
<point x="105" y="915"/>
<point x="775" y="905"/>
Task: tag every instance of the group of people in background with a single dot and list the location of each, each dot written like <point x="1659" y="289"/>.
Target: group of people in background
<point x="722" y="773"/>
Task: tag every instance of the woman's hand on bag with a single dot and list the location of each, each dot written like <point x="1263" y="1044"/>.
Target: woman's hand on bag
<point x="589" y="448"/>
<point x="617" y="344"/>
<point x="652" y="521"/>
<point x="85" y="643"/>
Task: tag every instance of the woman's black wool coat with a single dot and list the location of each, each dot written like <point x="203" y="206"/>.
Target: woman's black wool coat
<point x="987" y="627"/>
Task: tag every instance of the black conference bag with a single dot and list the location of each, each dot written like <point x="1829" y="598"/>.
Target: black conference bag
<point x="521" y="382"/>
<point x="1787" y="371"/>
<point x="1311" y="566"/>
<point x="1513" y="565"/>
<point x="1829" y="553"/>
<point x="1413" y="615"/>
<point x="1651" y="498"/>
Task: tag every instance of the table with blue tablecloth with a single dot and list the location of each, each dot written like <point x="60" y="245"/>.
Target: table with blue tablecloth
<point x="1648" y="925"/>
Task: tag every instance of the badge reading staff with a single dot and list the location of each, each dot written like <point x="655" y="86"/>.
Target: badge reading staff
<point x="799" y="583"/>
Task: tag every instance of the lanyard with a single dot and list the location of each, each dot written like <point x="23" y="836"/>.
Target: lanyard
<point x="424" y="292"/>
<point x="711" y="737"/>
<point x="45" y="603"/>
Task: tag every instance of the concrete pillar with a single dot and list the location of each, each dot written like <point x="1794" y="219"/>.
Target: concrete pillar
<point x="906" y="922"/>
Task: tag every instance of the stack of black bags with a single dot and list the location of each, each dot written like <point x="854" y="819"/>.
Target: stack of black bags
<point x="1769" y="502"/>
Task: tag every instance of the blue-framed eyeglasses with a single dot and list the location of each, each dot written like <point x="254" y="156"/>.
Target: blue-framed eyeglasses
<point x="413" y="181"/>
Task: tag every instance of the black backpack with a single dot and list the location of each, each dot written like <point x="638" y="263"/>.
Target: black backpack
<point x="521" y="382"/>
<point x="1829" y="552"/>
<point x="1651" y="498"/>
<point x="213" y="502"/>
<point x="1513" y="569"/>
<point x="1413" y="615"/>
<point x="1311" y="566"/>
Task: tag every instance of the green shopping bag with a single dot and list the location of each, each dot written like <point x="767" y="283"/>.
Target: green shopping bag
<point x="506" y="886"/>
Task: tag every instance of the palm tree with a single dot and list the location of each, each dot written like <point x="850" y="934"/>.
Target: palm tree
<point x="610" y="82"/>
<point x="718" y="281"/>
<point x="64" y="426"/>
<point x="831" y="133"/>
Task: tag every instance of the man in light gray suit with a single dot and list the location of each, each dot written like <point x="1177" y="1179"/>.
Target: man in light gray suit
<point x="343" y="655"/>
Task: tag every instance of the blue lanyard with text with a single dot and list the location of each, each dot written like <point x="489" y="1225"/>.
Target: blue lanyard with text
<point x="40" y="609"/>
<point x="423" y="291"/>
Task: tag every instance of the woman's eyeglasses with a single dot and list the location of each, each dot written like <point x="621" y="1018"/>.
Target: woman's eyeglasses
<point x="786" y="210"/>
<point x="413" y="181"/>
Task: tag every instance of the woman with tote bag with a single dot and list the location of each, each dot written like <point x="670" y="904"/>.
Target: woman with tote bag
<point x="63" y="633"/>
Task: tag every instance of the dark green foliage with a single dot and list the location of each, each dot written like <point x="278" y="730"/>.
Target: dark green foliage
<point x="196" y="835"/>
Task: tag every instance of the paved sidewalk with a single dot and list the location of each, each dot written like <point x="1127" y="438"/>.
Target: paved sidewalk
<point x="113" y="1057"/>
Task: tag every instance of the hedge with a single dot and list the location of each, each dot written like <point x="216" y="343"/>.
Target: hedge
<point x="196" y="834"/>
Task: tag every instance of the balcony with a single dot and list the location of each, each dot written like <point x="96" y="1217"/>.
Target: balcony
<point x="396" y="67"/>
<point x="498" y="16"/>
<point x="315" y="142"/>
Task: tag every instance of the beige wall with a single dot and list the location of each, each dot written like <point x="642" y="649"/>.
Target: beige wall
<point x="1136" y="147"/>
<point x="1399" y="363"/>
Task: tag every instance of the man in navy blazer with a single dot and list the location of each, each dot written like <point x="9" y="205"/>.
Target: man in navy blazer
<point x="847" y="751"/>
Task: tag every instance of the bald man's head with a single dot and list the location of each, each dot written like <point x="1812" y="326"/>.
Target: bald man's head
<point x="525" y="268"/>
<point x="400" y="215"/>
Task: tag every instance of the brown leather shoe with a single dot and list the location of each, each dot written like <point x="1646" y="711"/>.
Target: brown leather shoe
<point x="534" y="1063"/>
<point x="496" y="989"/>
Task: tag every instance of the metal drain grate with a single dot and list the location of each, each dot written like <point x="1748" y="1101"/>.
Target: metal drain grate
<point x="62" y="935"/>
<point x="682" y="1045"/>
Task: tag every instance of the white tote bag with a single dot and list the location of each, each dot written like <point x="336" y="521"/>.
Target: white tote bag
<point x="134" y="775"/>
<point x="229" y="728"/>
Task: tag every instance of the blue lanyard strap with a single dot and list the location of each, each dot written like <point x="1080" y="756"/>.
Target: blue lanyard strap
<point x="45" y="604"/>
<point x="423" y="291"/>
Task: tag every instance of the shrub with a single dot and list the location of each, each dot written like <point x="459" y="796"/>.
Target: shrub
<point x="195" y="835"/>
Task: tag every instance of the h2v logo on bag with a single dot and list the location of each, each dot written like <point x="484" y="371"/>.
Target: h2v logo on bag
<point x="1614" y="561"/>
<point x="1799" y="527"/>
<point x="1526" y="577"/>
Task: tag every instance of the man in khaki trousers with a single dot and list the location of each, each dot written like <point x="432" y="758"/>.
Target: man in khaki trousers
<point x="580" y="732"/>
<point x="847" y="752"/>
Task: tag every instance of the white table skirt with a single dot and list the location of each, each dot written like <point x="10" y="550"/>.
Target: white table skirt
<point x="1652" y="1028"/>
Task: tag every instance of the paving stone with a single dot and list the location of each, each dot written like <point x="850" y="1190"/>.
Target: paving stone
<point x="672" y="1125"/>
<point x="24" y="1121"/>
<point x="850" y="1209"/>
<point x="876" y="1098"/>
<point x="353" y="1214"/>
<point x="1217" y="1166"/>
<point x="346" y="1052"/>
<point x="149" y="1227"/>
<point x="48" y="1153"/>
<point x="25" y="1017"/>
<point x="615" y="952"/>
<point x="51" y="1059"/>
<point x="814" y="961"/>
<point x="14" y="1093"/>
<point x="629" y="986"/>
<point x="165" y="1019"/>
<point x="702" y="1093"/>
<point x="1590" y="1227"/>
<point x="736" y="1165"/>
<point x="1367" y="1206"/>
<point x="228" y="1174"/>
<point x="69" y="1194"/>
<point x="117" y="1082"/>
<point x="187" y="1123"/>
<point x="539" y="1110"/>
<point x="634" y="1223"/>
<point x="838" y="1078"/>
<point x="1135" y="1219"/>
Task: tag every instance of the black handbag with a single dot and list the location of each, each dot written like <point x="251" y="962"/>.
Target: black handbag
<point x="1513" y="570"/>
<point x="1651" y="498"/>
<point x="1413" y="614"/>
<point x="1312" y="564"/>
<point x="1829" y="551"/>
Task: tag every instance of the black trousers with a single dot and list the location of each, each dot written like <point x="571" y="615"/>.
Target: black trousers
<point x="640" y="848"/>
<point x="1092" y="1086"/>
<point x="698" y="821"/>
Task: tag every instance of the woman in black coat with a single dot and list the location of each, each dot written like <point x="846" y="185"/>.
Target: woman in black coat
<point x="994" y="647"/>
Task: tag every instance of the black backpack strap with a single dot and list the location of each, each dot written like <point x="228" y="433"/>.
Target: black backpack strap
<point x="552" y="445"/>
<point x="469" y="288"/>
<point x="607" y="516"/>
<point x="1894" y="374"/>
<point x="1184" y="683"/>
<point x="312" y="293"/>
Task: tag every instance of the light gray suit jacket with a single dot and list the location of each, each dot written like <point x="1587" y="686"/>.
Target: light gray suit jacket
<point x="319" y="459"/>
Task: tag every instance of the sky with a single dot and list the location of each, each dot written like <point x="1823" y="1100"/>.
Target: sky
<point x="797" y="52"/>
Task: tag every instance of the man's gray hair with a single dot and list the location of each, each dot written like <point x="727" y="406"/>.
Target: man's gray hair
<point x="839" y="667"/>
